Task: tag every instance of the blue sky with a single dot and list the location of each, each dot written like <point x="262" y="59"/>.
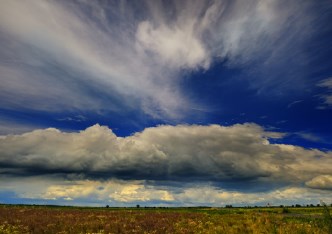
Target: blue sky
<point x="159" y="102"/>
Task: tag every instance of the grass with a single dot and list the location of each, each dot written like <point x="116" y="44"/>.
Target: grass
<point x="327" y="219"/>
<point x="53" y="219"/>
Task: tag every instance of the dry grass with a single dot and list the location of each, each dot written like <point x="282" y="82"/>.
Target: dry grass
<point x="39" y="219"/>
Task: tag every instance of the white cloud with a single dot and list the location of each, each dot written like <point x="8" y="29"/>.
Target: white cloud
<point x="104" y="59"/>
<point x="173" y="153"/>
<point x="220" y="197"/>
<point x="327" y="96"/>
<point x="326" y="83"/>
<point x="89" y="55"/>
<point x="309" y="136"/>
<point x="76" y="118"/>
<point x="10" y="127"/>
<point x="321" y="182"/>
<point x="114" y="190"/>
<point x="122" y="193"/>
<point x="175" y="47"/>
<point x="294" y="103"/>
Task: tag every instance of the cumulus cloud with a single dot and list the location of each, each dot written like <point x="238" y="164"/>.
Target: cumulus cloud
<point x="60" y="55"/>
<point x="321" y="182"/>
<point x="222" y="155"/>
<point x="118" y="191"/>
<point x="214" y="196"/>
<point x="124" y="193"/>
<point x="113" y="191"/>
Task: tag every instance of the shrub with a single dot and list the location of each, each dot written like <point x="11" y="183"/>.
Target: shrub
<point x="285" y="210"/>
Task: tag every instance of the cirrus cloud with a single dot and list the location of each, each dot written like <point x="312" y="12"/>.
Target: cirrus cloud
<point x="327" y="95"/>
<point x="119" y="55"/>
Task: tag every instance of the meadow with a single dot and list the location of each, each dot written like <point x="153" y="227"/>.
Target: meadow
<point x="56" y="219"/>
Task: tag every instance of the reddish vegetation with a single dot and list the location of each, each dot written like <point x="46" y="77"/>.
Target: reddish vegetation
<point x="68" y="220"/>
<point x="43" y="219"/>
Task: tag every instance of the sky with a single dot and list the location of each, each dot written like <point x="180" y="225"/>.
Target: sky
<point x="166" y="103"/>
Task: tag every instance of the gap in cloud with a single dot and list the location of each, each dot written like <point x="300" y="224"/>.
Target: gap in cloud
<point x="227" y="98"/>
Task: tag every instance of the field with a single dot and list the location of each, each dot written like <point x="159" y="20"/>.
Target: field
<point x="48" y="219"/>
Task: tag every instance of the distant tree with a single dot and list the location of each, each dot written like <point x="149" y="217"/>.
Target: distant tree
<point x="229" y="206"/>
<point x="297" y="205"/>
<point x="107" y="206"/>
<point x="137" y="206"/>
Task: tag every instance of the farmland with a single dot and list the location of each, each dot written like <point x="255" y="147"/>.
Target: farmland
<point x="56" y="219"/>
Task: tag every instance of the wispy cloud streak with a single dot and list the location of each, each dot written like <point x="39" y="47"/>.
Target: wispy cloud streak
<point x="327" y="95"/>
<point x="125" y="55"/>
